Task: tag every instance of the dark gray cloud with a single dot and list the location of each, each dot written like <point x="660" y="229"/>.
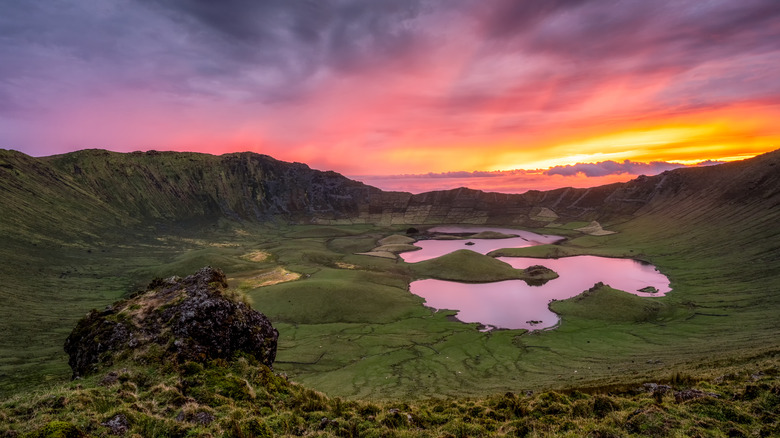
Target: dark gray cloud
<point x="613" y="168"/>
<point x="268" y="50"/>
<point x="293" y="41"/>
<point x="273" y="48"/>
<point x="593" y="42"/>
<point x="595" y="30"/>
<point x="709" y="163"/>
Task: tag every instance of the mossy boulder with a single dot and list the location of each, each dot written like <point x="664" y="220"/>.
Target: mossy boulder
<point x="189" y="319"/>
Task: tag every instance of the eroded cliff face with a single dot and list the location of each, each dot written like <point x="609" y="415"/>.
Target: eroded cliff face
<point x="176" y="319"/>
<point x="178" y="185"/>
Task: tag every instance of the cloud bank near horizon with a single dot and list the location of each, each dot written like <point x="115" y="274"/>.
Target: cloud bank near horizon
<point x="522" y="180"/>
<point x="397" y="86"/>
<point x="613" y="168"/>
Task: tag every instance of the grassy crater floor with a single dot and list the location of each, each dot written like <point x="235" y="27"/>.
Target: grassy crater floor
<point x="350" y="328"/>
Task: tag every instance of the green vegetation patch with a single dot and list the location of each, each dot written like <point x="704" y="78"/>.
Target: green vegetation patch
<point x="380" y="254"/>
<point x="491" y="235"/>
<point x="542" y="251"/>
<point x="337" y="295"/>
<point x="396" y="248"/>
<point x="472" y="267"/>
<point x="350" y="245"/>
<point x="320" y="231"/>
<point x="396" y="239"/>
<point x="57" y="429"/>
<point x="606" y="304"/>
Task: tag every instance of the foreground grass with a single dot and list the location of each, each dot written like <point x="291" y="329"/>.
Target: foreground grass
<point x="245" y="399"/>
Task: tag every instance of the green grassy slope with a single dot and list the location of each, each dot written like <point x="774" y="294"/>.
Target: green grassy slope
<point x="242" y="398"/>
<point x="602" y="303"/>
<point x="349" y="326"/>
<point x="472" y="267"/>
<point x="465" y="265"/>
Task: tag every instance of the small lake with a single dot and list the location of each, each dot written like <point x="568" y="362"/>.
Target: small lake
<point x="513" y="304"/>
<point x="437" y="248"/>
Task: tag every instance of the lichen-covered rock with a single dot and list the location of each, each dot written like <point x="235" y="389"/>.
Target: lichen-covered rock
<point x="118" y="424"/>
<point x="190" y="319"/>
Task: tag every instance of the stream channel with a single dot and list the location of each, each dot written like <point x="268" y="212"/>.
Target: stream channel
<point x="513" y="304"/>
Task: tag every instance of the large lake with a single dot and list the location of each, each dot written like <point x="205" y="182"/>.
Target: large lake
<point x="513" y="304"/>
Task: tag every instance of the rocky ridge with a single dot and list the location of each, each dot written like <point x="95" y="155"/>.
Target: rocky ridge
<point x="177" y="319"/>
<point x="124" y="189"/>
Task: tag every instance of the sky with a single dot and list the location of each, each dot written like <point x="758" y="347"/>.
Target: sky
<point x="405" y="94"/>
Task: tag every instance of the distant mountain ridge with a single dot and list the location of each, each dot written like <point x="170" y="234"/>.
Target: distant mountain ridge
<point x="97" y="188"/>
<point x="83" y="229"/>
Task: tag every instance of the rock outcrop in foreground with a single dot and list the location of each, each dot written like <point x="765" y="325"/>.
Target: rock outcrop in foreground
<point x="189" y="319"/>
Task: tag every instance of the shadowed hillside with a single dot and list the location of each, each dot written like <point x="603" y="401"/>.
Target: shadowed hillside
<point x="100" y="188"/>
<point x="96" y="188"/>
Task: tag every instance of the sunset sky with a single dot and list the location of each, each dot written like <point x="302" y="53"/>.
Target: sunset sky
<point x="445" y="92"/>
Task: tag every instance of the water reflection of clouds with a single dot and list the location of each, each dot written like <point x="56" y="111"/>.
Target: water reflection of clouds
<point x="513" y="304"/>
<point x="582" y="272"/>
<point x="437" y="248"/>
<point x="504" y="304"/>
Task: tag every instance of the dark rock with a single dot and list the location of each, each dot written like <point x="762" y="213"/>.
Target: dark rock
<point x="118" y="424"/>
<point x="538" y="275"/>
<point x="109" y="379"/>
<point x="658" y="391"/>
<point x="692" y="394"/>
<point x="190" y="319"/>
<point x="596" y="287"/>
<point x="203" y="418"/>
<point x="538" y="270"/>
<point x="654" y="387"/>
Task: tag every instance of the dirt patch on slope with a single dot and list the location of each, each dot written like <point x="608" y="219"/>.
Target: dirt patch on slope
<point x="594" y="229"/>
<point x="256" y="256"/>
<point x="268" y="277"/>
